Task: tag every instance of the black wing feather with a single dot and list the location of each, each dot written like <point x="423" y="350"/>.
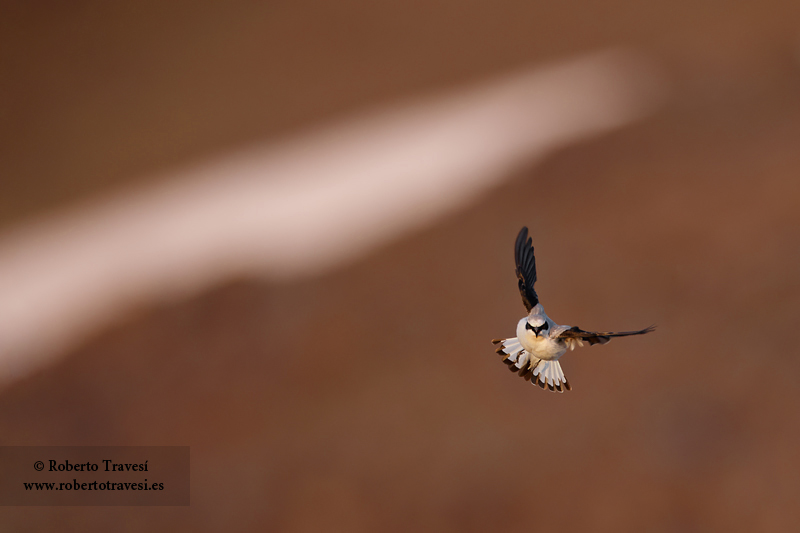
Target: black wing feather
<point x="600" y="337"/>
<point x="526" y="268"/>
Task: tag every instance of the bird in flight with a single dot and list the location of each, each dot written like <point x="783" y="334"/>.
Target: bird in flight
<point x="540" y="342"/>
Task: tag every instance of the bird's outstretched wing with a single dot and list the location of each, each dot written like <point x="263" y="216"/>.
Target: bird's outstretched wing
<point x="526" y="268"/>
<point x="599" y="337"/>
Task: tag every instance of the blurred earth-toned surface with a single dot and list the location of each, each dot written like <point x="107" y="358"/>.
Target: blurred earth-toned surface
<point x="370" y="398"/>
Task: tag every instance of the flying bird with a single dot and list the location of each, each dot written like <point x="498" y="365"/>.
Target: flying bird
<point x="540" y="342"/>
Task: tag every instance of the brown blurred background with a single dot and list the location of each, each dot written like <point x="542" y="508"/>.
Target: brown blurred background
<point x="369" y="398"/>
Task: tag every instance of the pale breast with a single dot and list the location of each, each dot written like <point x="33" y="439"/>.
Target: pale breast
<point x="542" y="347"/>
<point x="545" y="348"/>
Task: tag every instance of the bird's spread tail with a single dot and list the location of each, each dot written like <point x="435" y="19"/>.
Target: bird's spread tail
<point x="549" y="374"/>
<point x="546" y="374"/>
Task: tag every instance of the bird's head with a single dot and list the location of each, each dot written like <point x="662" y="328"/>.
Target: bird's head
<point x="537" y="329"/>
<point x="537" y="320"/>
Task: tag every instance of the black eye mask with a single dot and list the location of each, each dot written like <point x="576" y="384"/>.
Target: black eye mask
<point x="543" y="327"/>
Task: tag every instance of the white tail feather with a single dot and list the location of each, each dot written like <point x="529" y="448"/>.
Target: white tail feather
<point x="549" y="374"/>
<point x="546" y="374"/>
